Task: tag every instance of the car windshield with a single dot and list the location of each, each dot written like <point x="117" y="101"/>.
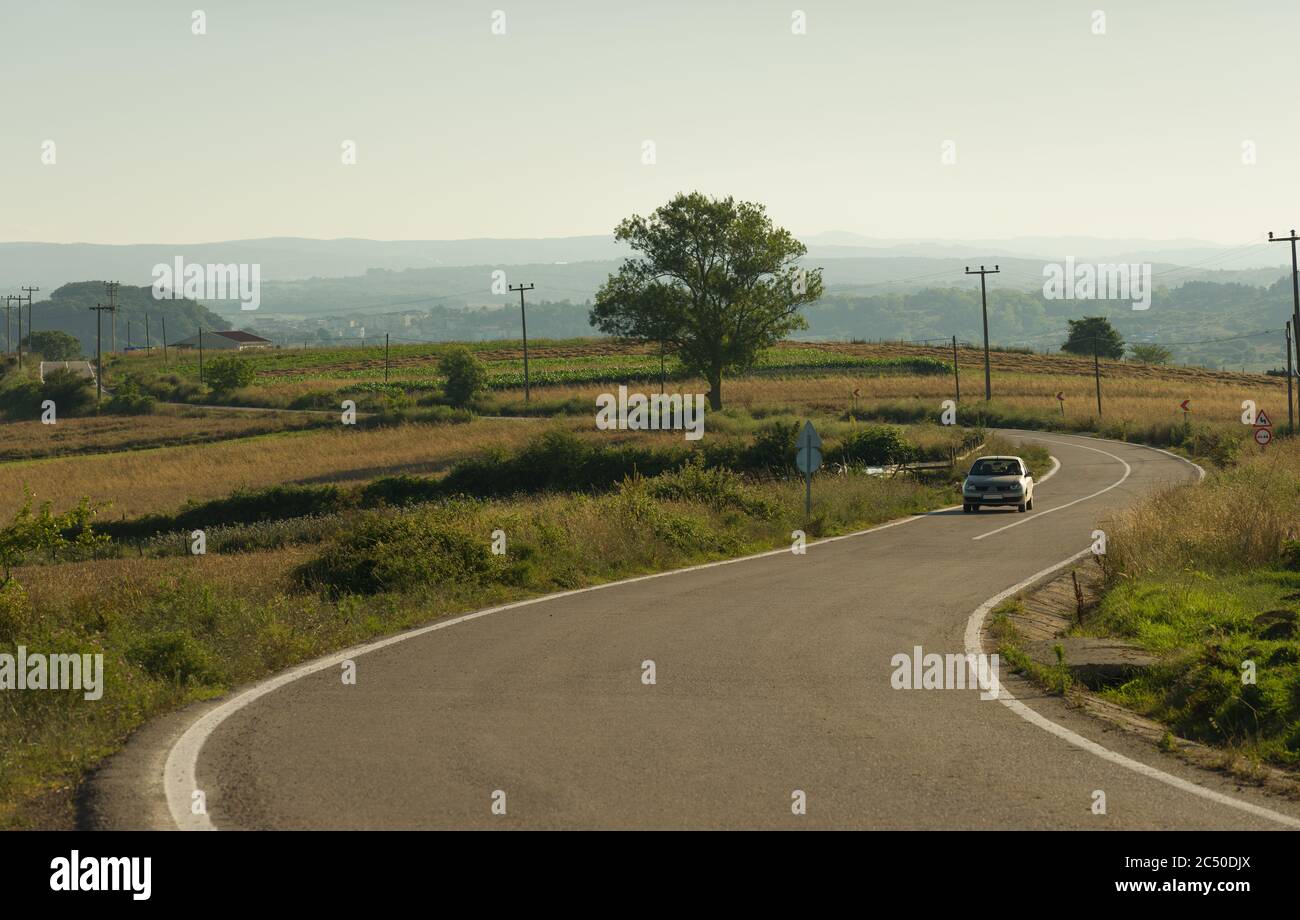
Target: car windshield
<point x="988" y="467"/>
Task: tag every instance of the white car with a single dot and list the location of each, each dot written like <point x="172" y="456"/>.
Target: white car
<point x="998" y="481"/>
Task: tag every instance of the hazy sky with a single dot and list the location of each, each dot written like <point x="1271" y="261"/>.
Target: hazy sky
<point x="162" y="135"/>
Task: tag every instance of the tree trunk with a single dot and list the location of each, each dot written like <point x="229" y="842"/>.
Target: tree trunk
<point x="715" y="391"/>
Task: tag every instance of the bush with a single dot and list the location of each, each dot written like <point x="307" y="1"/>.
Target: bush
<point x="716" y="487"/>
<point x="243" y="506"/>
<point x="22" y="400"/>
<point x="174" y="657"/>
<point x="1150" y="353"/>
<point x="383" y="553"/>
<point x="774" y="448"/>
<point x="169" y="387"/>
<point x="465" y="375"/>
<point x="129" y="400"/>
<point x="399" y="490"/>
<point x="227" y="373"/>
<point x="72" y="394"/>
<point x="875" y="445"/>
<point x="558" y="461"/>
<point x="1291" y="555"/>
<point x="15" y="613"/>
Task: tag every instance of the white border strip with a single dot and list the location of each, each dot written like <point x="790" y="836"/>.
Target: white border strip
<point x="1128" y="470"/>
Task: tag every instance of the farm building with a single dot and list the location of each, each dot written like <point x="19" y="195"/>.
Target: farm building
<point x="230" y="339"/>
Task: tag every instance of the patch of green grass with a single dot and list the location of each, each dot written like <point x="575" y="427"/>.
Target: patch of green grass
<point x="1227" y="675"/>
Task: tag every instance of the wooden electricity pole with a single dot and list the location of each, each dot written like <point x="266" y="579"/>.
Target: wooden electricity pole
<point x="523" y="316"/>
<point x="984" y="303"/>
<point x="1295" y="288"/>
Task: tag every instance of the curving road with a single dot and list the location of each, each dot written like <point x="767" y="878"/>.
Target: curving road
<point x="773" y="674"/>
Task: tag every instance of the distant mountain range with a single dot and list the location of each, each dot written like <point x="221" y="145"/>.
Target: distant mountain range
<point x="910" y="289"/>
<point x="286" y="259"/>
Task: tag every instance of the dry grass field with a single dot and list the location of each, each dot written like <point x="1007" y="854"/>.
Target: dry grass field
<point x="141" y="481"/>
<point x="170" y="426"/>
<point x="1215" y="398"/>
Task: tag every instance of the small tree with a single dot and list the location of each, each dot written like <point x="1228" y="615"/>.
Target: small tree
<point x="1094" y="332"/>
<point x="1150" y="353"/>
<point x="227" y="373"/>
<point x="54" y="345"/>
<point x="465" y="375"/>
<point x="44" y="531"/>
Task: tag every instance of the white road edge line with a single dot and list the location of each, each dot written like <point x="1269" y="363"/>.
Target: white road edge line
<point x="974" y="626"/>
<point x="1128" y="470"/>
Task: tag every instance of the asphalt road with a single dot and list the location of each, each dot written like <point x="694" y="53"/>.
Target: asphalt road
<point x="772" y="675"/>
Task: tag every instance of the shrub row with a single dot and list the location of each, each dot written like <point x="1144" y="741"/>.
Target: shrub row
<point x="557" y="461"/>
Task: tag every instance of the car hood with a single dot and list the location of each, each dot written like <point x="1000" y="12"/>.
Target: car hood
<point x="993" y="480"/>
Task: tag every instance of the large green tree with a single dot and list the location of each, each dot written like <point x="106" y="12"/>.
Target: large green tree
<point x="53" y="345"/>
<point x="1094" y="332"/>
<point x="714" y="281"/>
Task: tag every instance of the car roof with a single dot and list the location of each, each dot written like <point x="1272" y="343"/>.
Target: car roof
<point x="999" y="457"/>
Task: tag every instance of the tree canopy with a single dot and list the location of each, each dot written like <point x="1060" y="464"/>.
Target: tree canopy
<point x="1094" y="332"/>
<point x="53" y="345"/>
<point x="715" y="281"/>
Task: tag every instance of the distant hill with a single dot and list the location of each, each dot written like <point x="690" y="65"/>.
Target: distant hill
<point x="288" y="259"/>
<point x="49" y="265"/>
<point x="69" y="308"/>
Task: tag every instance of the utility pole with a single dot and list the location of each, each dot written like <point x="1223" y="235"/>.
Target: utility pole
<point x="1096" y="372"/>
<point x="523" y="316"/>
<point x="163" y="319"/>
<point x="1290" y="410"/>
<point x="9" y="345"/>
<point x="385" y="357"/>
<point x="984" y="303"/>
<point x="111" y="287"/>
<point x="28" y="291"/>
<point x="200" y="354"/>
<point x="956" y="377"/>
<point x="1295" y="287"/>
<point x="99" y="309"/>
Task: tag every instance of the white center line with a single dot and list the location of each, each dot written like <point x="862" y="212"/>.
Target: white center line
<point x="1127" y="471"/>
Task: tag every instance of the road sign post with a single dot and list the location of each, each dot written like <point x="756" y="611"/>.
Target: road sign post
<point x="808" y="460"/>
<point x="1060" y="398"/>
<point x="1263" y="428"/>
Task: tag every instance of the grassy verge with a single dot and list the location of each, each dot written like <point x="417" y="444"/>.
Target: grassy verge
<point x="1207" y="579"/>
